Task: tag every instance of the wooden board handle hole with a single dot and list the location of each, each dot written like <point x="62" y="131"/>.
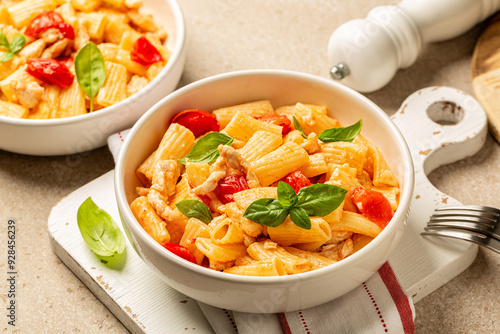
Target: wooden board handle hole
<point x="445" y="113"/>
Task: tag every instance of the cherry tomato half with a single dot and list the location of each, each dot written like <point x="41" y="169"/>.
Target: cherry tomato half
<point x="198" y="121"/>
<point x="47" y="20"/>
<point x="50" y="71"/>
<point x="144" y="53"/>
<point x="229" y="186"/>
<point x="374" y="205"/>
<point x="67" y="30"/>
<point x="180" y="251"/>
<point x="297" y="180"/>
<point x="280" y="120"/>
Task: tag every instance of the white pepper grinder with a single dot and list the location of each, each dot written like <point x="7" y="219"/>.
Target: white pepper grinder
<point x="366" y="53"/>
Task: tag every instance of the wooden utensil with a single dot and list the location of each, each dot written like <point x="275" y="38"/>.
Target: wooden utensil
<point x="486" y="73"/>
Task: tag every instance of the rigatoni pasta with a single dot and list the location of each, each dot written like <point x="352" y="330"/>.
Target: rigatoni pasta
<point x="261" y="196"/>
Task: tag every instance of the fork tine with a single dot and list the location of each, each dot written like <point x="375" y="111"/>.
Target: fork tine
<point x="479" y="208"/>
<point x="476" y="238"/>
<point x="462" y="218"/>
<point x="487" y="216"/>
<point x="470" y="226"/>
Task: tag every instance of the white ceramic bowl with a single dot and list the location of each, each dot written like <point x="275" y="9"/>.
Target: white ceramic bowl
<point x="85" y="132"/>
<point x="264" y="294"/>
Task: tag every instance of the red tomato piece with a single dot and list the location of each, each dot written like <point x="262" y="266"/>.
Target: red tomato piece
<point x="180" y="251"/>
<point x="229" y="186"/>
<point x="67" y="30"/>
<point x="198" y="121"/>
<point x="50" y="71"/>
<point x="280" y="120"/>
<point x="144" y="53"/>
<point x="297" y="180"/>
<point x="374" y="205"/>
<point x="47" y="20"/>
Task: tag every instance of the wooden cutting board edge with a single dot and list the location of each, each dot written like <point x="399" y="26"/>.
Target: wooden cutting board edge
<point x="485" y="73"/>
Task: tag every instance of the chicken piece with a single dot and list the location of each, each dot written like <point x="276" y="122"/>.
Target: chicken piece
<point x="228" y="157"/>
<point x="217" y="172"/>
<point x="29" y="93"/>
<point x="236" y="161"/>
<point x="338" y="252"/>
<point x="311" y="144"/>
<point x="33" y="50"/>
<point x="339" y="236"/>
<point x="51" y="35"/>
<point x="159" y="204"/>
<point x="219" y="266"/>
<point x="165" y="176"/>
<point x="56" y="49"/>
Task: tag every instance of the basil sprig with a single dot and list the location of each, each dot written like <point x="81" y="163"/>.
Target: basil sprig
<point x="298" y="127"/>
<point x="205" y="149"/>
<point x="341" y="134"/>
<point x="266" y="211"/>
<point x="99" y="230"/>
<point x="90" y="70"/>
<point x="317" y="200"/>
<point x="192" y="208"/>
<point x="13" y="47"/>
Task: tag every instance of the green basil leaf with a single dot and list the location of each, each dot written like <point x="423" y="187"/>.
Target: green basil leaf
<point x="17" y="43"/>
<point x="320" y="199"/>
<point x="341" y="134"/>
<point x="99" y="230"/>
<point x="298" y="127"/>
<point x="266" y="211"/>
<point x="192" y="208"/>
<point x="286" y="195"/>
<point x="4" y="43"/>
<point x="205" y="149"/>
<point x="300" y="218"/>
<point x="6" y="57"/>
<point x="90" y="70"/>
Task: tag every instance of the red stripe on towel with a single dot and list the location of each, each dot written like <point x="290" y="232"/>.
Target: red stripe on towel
<point x="399" y="297"/>
<point x="284" y="323"/>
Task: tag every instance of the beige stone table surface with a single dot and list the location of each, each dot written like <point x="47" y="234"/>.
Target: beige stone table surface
<point x="226" y="35"/>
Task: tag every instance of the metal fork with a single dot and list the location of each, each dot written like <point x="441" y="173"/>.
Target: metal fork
<point x="478" y="224"/>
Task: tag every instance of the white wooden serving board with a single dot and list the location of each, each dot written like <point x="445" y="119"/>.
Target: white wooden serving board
<point x="145" y="304"/>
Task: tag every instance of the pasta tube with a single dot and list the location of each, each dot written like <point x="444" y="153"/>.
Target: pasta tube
<point x="279" y="163"/>
<point x="357" y="223"/>
<point x="220" y="253"/>
<point x="242" y="127"/>
<point x="268" y="250"/>
<point x="254" y="109"/>
<point x="272" y="267"/>
<point x="149" y="219"/>
<point x="288" y="233"/>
